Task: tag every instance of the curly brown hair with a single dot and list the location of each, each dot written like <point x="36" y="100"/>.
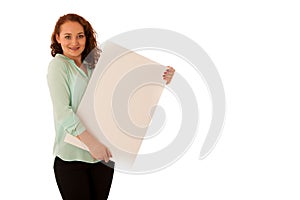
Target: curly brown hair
<point x="91" y="51"/>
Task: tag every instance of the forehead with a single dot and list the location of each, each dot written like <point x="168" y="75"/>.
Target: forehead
<point x="71" y="27"/>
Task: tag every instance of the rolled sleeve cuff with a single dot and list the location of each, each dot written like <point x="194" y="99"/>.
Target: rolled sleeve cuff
<point x="76" y="129"/>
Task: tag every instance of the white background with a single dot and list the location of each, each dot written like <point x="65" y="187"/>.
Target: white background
<point x="255" y="47"/>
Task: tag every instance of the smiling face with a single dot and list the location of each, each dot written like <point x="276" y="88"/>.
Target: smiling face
<point x="72" y="40"/>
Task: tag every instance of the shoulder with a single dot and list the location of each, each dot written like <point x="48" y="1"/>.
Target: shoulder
<point x="58" y="60"/>
<point x="58" y="63"/>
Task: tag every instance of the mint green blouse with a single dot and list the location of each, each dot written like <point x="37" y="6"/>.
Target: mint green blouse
<point x="67" y="84"/>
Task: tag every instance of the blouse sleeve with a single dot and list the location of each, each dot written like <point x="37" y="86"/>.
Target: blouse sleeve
<point x="64" y="116"/>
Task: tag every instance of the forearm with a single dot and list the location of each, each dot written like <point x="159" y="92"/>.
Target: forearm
<point x="88" y="139"/>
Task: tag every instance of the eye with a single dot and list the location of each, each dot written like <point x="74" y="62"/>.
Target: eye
<point x="67" y="37"/>
<point x="80" y="36"/>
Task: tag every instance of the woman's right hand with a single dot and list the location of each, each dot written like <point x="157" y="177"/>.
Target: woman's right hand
<point x="98" y="150"/>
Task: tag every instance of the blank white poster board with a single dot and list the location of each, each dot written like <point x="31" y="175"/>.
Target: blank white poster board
<point x="120" y="100"/>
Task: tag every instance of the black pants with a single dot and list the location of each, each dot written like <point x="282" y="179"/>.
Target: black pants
<point x="83" y="181"/>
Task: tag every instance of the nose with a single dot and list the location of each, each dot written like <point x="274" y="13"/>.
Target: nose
<point x="74" y="41"/>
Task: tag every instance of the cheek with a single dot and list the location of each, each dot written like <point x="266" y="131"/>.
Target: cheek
<point x="64" y="43"/>
<point x="82" y="42"/>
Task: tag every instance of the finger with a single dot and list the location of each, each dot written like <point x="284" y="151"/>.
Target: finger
<point x="168" y="75"/>
<point x="167" y="69"/>
<point x="171" y="69"/>
<point x="105" y="157"/>
<point x="167" y="79"/>
<point x="109" y="153"/>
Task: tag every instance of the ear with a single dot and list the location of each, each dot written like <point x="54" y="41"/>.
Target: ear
<point x="57" y="38"/>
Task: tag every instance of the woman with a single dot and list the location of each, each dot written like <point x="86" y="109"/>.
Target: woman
<point x="79" y="174"/>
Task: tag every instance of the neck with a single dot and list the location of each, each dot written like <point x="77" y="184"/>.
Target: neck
<point x="78" y="62"/>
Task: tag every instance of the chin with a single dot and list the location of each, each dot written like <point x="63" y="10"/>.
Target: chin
<point x="75" y="54"/>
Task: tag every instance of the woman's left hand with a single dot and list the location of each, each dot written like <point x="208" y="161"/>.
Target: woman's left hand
<point x="168" y="74"/>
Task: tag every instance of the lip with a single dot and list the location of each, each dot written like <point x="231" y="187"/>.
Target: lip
<point x="74" y="48"/>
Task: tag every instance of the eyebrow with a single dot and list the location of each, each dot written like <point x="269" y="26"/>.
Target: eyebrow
<point x="71" y="33"/>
